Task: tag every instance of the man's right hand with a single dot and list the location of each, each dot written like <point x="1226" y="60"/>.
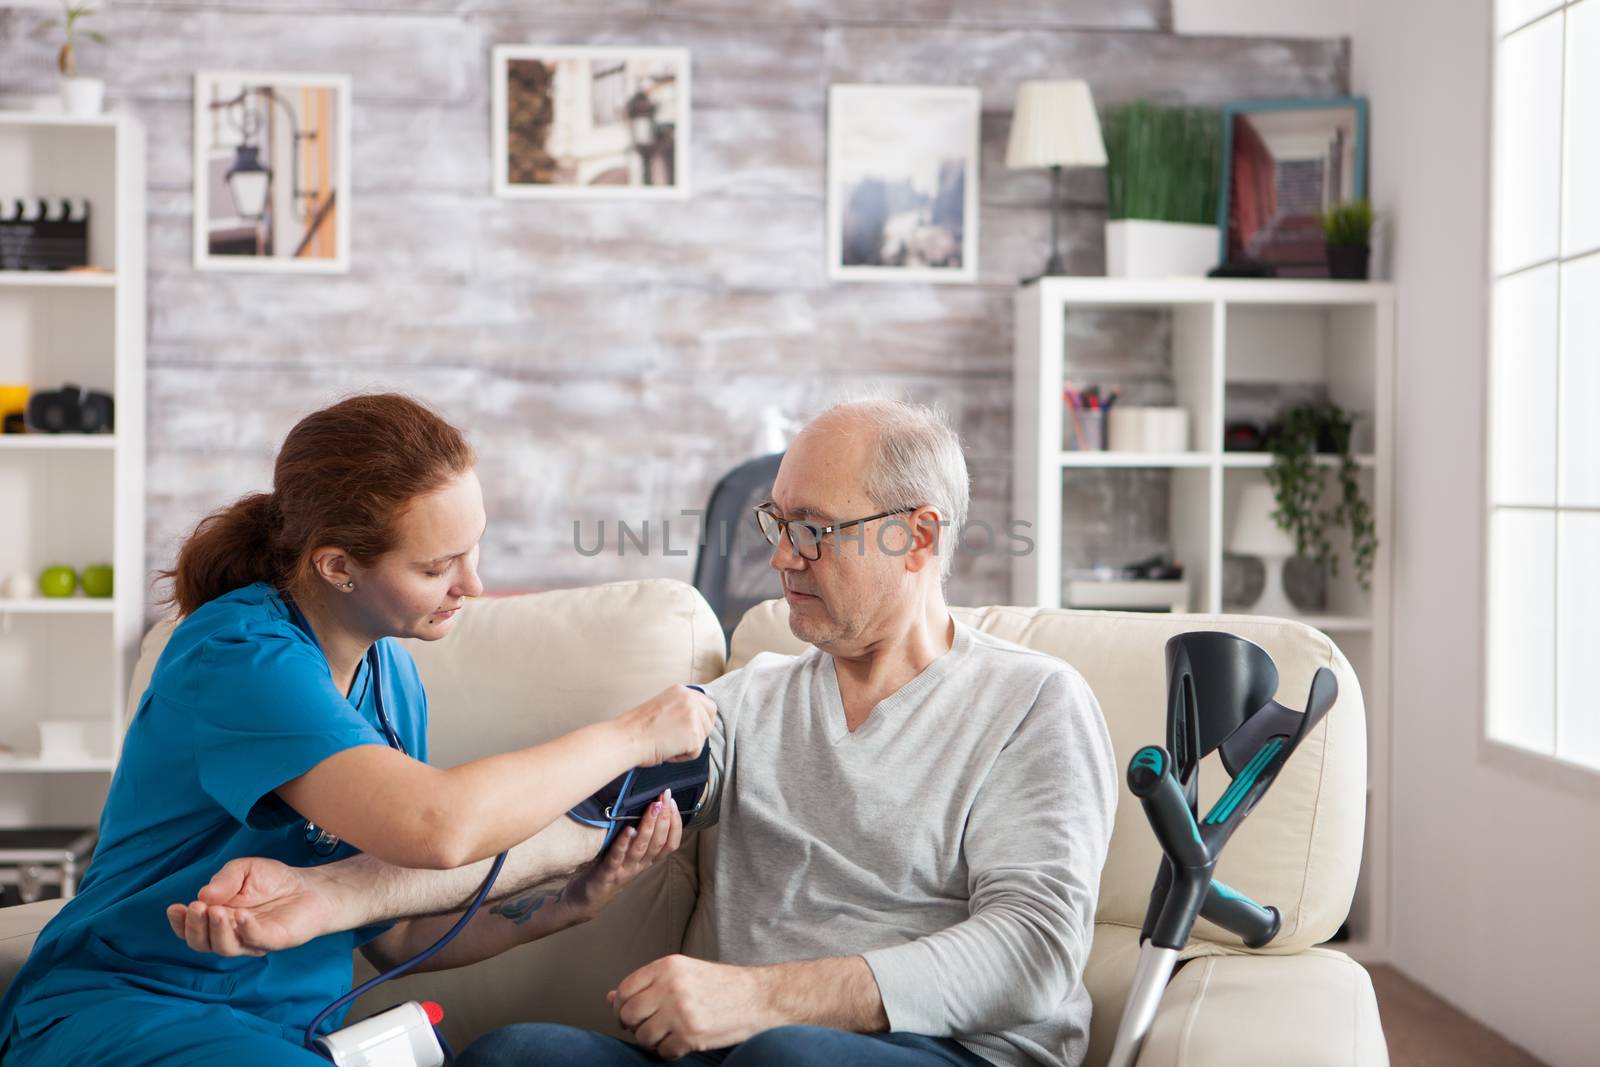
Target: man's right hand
<point x="253" y="906"/>
<point x="671" y="726"/>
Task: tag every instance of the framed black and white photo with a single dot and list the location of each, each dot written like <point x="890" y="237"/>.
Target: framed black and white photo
<point x="271" y="172"/>
<point x="903" y="183"/>
<point x="573" y="121"/>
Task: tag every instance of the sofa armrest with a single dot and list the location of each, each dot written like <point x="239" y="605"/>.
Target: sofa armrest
<point x="19" y="926"/>
<point x="1226" y="1008"/>
<point x="1314" y="1008"/>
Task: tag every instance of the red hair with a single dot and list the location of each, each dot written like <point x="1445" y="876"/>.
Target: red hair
<point x="343" y="477"/>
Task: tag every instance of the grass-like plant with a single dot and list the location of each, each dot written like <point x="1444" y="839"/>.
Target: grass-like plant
<point x="1349" y="224"/>
<point x="1162" y="163"/>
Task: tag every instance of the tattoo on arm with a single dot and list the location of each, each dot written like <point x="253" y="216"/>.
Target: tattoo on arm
<point x="521" y="909"/>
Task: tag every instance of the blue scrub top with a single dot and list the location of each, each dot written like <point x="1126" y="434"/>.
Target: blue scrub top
<point x="241" y="702"/>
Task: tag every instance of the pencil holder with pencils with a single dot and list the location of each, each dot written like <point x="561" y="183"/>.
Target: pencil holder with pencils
<point x="1086" y="411"/>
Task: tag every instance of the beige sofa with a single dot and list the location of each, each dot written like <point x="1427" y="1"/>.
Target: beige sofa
<point x="522" y="669"/>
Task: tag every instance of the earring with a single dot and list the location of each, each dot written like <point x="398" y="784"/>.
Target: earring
<point x="347" y="586"/>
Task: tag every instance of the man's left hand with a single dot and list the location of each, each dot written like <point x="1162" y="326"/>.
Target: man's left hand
<point x="633" y="852"/>
<point x="678" y="1005"/>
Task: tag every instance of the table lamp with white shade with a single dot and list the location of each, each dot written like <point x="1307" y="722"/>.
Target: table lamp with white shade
<point x="1256" y="533"/>
<point x="1055" y="125"/>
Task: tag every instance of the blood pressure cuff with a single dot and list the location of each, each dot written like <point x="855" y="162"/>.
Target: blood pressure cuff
<point x="627" y="797"/>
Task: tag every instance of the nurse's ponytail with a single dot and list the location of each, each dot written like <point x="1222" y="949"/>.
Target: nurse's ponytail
<point x="230" y="548"/>
<point x="342" y="477"/>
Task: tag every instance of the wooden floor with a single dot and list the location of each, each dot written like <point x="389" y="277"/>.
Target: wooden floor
<point x="1424" y="1031"/>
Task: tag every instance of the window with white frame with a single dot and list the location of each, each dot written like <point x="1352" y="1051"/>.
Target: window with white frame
<point x="1544" y="381"/>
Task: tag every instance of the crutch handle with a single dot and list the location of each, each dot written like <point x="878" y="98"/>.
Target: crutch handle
<point x="1150" y="779"/>
<point x="1238" y="914"/>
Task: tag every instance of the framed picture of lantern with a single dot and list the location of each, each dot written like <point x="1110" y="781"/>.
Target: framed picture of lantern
<point x="577" y="121"/>
<point x="271" y="172"/>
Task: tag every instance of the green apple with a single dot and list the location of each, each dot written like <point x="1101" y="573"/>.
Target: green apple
<point x="58" y="580"/>
<point x="97" y="580"/>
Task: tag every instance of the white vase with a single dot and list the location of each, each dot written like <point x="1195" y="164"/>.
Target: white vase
<point x="1274" y="599"/>
<point x="1142" y="248"/>
<point x="18" y="585"/>
<point x="83" y="96"/>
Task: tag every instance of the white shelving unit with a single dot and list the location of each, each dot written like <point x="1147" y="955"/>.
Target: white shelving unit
<point x="1337" y="337"/>
<point x="68" y="499"/>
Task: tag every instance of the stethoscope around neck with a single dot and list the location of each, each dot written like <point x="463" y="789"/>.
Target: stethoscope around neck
<point x="374" y="676"/>
<point x="321" y="841"/>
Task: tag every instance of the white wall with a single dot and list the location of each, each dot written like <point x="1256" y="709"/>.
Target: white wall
<point x="1493" y="857"/>
<point x="1494" y="860"/>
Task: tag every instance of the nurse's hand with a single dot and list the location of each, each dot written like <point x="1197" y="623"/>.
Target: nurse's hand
<point x="254" y="906"/>
<point x="632" y="853"/>
<point x="671" y="726"/>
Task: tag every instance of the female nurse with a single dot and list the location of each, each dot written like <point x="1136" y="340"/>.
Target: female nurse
<point x="283" y="721"/>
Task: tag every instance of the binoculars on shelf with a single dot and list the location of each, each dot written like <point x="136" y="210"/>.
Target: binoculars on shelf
<point x="71" y="409"/>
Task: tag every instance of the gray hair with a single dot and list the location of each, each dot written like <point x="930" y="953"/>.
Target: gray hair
<point x="916" y="461"/>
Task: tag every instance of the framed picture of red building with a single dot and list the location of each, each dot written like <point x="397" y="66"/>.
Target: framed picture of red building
<point x="1285" y="163"/>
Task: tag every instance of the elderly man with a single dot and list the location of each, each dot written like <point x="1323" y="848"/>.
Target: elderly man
<point x="913" y="814"/>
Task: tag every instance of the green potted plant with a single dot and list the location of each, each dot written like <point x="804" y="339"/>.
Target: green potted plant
<point x="1163" y="183"/>
<point x="81" y="96"/>
<point x="1347" y="228"/>
<point x="1299" y="487"/>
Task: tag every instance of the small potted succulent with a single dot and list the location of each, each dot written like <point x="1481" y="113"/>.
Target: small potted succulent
<point x="1348" y="230"/>
<point x="81" y="96"/>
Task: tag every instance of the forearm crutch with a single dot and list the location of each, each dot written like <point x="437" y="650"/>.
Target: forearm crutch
<point x="1219" y="696"/>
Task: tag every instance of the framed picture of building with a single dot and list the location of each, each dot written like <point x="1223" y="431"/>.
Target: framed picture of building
<point x="1285" y="163"/>
<point x="271" y="172"/>
<point x="584" y="122"/>
<point x="903" y="183"/>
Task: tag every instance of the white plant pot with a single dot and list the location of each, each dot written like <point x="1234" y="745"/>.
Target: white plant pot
<point x="1141" y="248"/>
<point x="83" y="96"/>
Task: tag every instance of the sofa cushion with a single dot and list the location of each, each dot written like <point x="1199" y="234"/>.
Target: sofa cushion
<point x="521" y="670"/>
<point x="19" y="928"/>
<point x="563" y="978"/>
<point x="1299" y="851"/>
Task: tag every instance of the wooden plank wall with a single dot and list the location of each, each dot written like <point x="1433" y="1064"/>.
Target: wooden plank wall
<point x="608" y="358"/>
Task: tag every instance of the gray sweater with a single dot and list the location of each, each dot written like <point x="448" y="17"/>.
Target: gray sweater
<point x="954" y="840"/>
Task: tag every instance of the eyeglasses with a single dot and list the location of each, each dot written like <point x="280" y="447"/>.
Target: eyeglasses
<point x="807" y="537"/>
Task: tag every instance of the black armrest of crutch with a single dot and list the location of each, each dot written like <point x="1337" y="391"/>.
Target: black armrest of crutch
<point x="1257" y="751"/>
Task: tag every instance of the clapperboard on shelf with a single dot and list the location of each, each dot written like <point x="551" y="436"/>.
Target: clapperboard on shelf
<point x="43" y="233"/>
